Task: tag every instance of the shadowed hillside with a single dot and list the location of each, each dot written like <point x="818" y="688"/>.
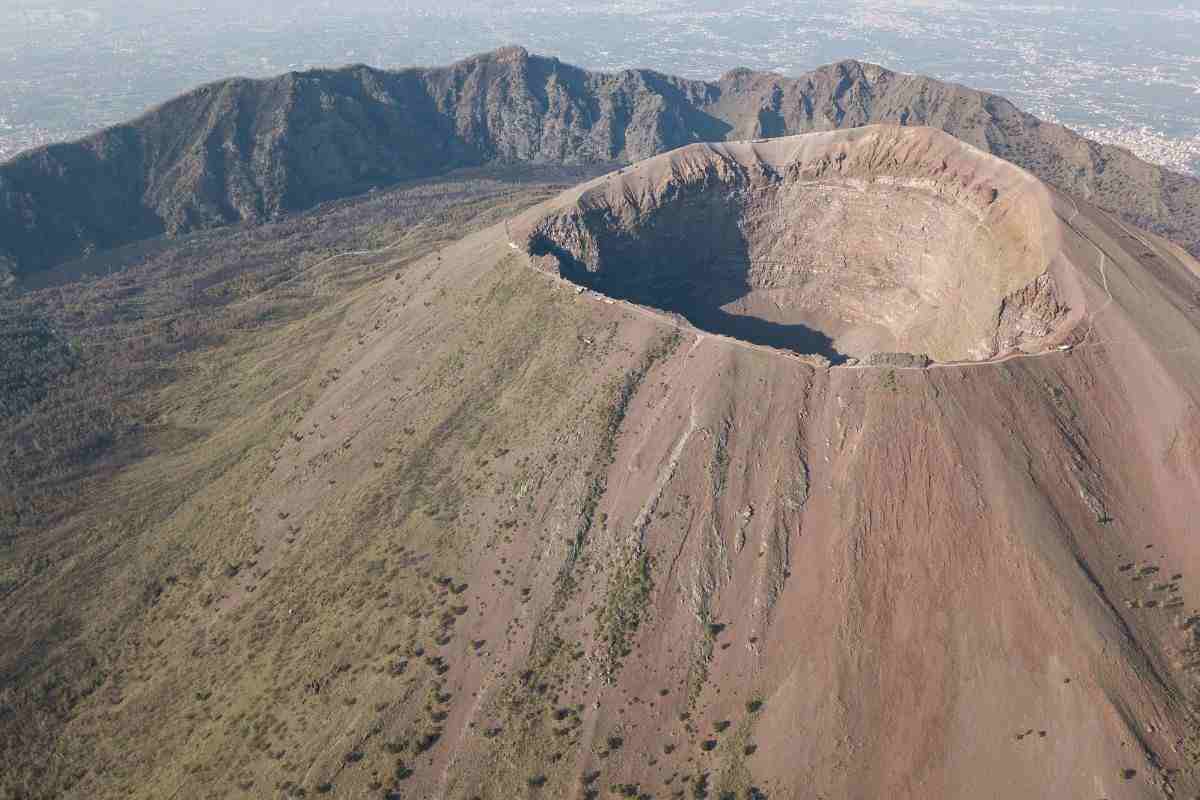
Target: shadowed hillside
<point x="243" y="150"/>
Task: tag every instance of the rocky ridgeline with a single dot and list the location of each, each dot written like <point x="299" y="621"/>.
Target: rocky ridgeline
<point x="242" y="150"/>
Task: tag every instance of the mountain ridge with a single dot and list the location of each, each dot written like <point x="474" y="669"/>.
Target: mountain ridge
<point x="243" y="150"/>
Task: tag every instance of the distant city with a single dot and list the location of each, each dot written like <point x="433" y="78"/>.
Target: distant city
<point x="1117" y="75"/>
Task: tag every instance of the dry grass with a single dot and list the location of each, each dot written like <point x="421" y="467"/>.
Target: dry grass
<point x="129" y="470"/>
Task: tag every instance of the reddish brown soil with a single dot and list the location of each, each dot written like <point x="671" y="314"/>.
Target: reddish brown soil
<point x="969" y="580"/>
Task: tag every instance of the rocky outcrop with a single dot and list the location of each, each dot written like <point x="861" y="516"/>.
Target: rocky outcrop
<point x="242" y="150"/>
<point x="1029" y="313"/>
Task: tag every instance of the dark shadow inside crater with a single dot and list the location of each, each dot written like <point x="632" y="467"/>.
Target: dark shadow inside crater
<point x="695" y="286"/>
<point x="795" y="337"/>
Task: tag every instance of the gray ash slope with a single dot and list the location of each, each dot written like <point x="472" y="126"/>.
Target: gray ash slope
<point x="244" y="150"/>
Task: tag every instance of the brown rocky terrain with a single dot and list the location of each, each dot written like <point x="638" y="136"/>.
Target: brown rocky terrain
<point x="242" y="150"/>
<point x="468" y="529"/>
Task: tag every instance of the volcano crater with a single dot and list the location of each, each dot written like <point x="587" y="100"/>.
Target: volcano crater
<point x="848" y="244"/>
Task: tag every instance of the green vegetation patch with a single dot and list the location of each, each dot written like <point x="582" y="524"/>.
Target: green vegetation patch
<point x="33" y="355"/>
<point x="625" y="605"/>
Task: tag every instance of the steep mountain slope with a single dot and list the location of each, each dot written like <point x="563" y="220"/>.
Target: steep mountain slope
<point x="251" y="150"/>
<point x="480" y="534"/>
<point x="129" y="393"/>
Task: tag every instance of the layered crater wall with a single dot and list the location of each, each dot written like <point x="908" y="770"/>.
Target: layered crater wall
<point x="842" y="244"/>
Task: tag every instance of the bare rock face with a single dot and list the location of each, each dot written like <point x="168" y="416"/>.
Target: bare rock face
<point x="1028" y="313"/>
<point x="843" y="244"/>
